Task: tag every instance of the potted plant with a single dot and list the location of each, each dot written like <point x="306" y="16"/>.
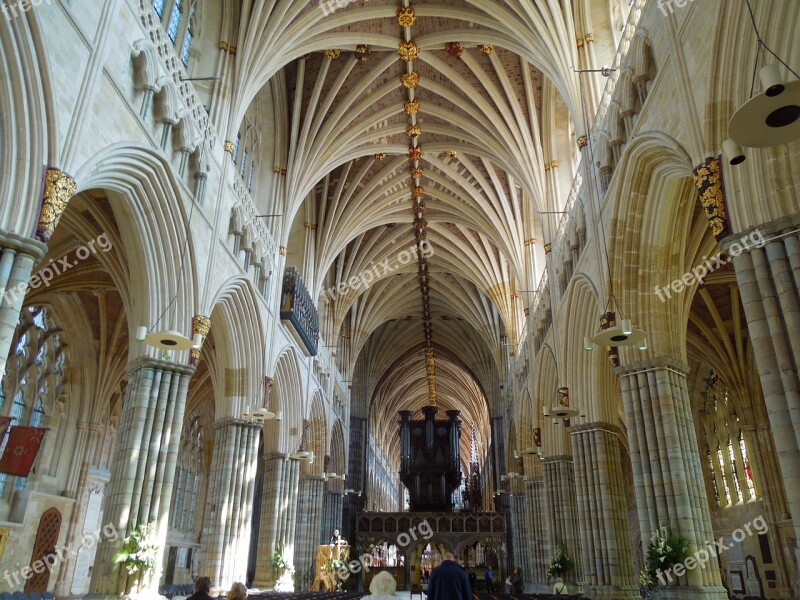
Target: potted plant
<point x="139" y="556"/>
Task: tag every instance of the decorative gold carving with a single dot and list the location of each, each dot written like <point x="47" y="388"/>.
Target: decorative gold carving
<point x="417" y="191"/>
<point x="580" y="42"/>
<point x="283" y="172"/>
<point x="415" y="153"/>
<point x="406" y="16"/>
<point x="452" y="153"/>
<point x="410" y="80"/>
<point x="408" y="50"/>
<point x="417" y="172"/>
<point x="229" y="147"/>
<point x="589" y="37"/>
<point x="413" y="130"/>
<point x="454" y="48"/>
<point x="223" y="46"/>
<point x="563" y="396"/>
<point x="333" y="53"/>
<point x="311" y="226"/>
<point x="411" y="107"/>
<point x="527" y="312"/>
<point x="380" y="156"/>
<point x="282" y="250"/>
<point x="554" y="164"/>
<point x="583" y="141"/>
<point x="59" y="188"/>
<point x="530" y="242"/>
<point x="711" y="193"/>
<point x="201" y="324"/>
<point x="548" y="247"/>
<point x="232" y="50"/>
<point x="486" y="49"/>
<point x="362" y="52"/>
<point x="276" y="169"/>
<point x="547" y="166"/>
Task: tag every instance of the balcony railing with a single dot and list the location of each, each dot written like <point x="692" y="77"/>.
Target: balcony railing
<point x="298" y="309"/>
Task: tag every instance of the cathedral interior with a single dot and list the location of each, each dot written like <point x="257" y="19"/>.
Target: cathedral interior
<point x="298" y="291"/>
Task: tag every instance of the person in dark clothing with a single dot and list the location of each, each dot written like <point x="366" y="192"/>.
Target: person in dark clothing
<point x="449" y="581"/>
<point x="490" y="580"/>
<point x="517" y="584"/>
<point x="473" y="581"/>
<point x="201" y="589"/>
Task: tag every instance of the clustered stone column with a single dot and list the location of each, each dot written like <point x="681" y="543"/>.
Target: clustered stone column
<point x="538" y="542"/>
<point x="667" y="476"/>
<point x="332" y="505"/>
<point x="602" y="506"/>
<point x="520" y="528"/>
<point x="18" y="256"/>
<point x="309" y="522"/>
<point x="87" y="444"/>
<point x="559" y="483"/>
<point x="278" y="515"/>
<point x="229" y="506"/>
<point x="768" y="273"/>
<point x="143" y="471"/>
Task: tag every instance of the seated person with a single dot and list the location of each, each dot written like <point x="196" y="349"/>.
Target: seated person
<point x="382" y="587"/>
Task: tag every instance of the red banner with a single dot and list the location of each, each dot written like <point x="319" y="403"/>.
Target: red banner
<point x="21" y="450"/>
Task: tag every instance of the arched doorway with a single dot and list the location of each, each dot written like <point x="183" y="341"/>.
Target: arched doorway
<point x="45" y="545"/>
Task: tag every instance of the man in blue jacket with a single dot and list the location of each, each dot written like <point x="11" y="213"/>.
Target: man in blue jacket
<point x="449" y="581"/>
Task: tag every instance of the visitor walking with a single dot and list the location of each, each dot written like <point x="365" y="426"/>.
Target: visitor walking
<point x="490" y="580"/>
<point x="473" y="581"/>
<point x="449" y="581"/>
<point x="517" y="584"/>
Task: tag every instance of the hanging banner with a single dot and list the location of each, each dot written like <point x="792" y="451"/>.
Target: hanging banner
<point x="21" y="450"/>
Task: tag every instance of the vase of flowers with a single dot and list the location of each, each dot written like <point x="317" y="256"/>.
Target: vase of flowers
<point x="283" y="571"/>
<point x="561" y="563"/>
<point x="139" y="556"/>
<point x="664" y="551"/>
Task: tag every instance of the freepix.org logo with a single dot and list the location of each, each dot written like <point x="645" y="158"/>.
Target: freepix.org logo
<point x="11" y="9"/>
<point x="696" y="275"/>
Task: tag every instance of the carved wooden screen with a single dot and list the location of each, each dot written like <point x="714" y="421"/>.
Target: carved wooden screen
<point x="45" y="545"/>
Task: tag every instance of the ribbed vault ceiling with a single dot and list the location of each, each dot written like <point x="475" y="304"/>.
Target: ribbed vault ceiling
<point x="344" y="144"/>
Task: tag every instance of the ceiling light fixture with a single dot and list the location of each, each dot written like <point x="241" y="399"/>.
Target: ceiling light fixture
<point x="771" y="118"/>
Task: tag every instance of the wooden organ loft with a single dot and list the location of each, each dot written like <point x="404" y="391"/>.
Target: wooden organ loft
<point x="430" y="461"/>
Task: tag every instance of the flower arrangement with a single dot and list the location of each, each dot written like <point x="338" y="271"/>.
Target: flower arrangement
<point x="279" y="564"/>
<point x="663" y="552"/>
<point x="138" y="554"/>
<point x="561" y="563"/>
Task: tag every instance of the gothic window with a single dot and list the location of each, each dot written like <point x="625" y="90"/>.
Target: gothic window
<point x="728" y="458"/>
<point x="247" y="142"/>
<point x="30" y="386"/>
<point x="188" y="478"/>
<point x="178" y="18"/>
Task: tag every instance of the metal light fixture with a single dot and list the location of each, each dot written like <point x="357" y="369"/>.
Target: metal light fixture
<point x="771" y="118"/>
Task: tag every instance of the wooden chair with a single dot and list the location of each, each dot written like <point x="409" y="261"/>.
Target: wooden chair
<point x="416" y="589"/>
